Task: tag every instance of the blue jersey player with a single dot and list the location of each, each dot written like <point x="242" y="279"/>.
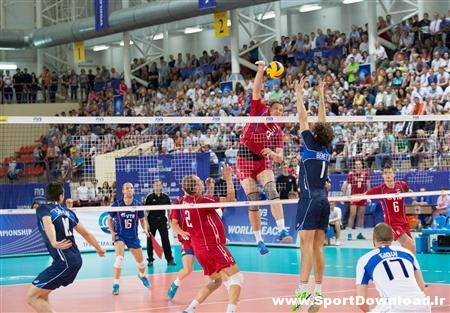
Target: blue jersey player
<point x="56" y="224"/>
<point x="313" y="207"/>
<point x="124" y="230"/>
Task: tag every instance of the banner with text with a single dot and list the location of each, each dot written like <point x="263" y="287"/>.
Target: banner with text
<point x="169" y="168"/>
<point x="101" y="15"/>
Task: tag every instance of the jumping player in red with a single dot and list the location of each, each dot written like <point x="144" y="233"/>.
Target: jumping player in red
<point x="260" y="145"/>
<point x="394" y="208"/>
<point x="206" y="232"/>
<point x="359" y="182"/>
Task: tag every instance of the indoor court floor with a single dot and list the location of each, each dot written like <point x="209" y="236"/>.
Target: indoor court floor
<point x="275" y="275"/>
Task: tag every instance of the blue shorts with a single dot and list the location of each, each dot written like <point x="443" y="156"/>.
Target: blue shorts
<point x="58" y="274"/>
<point x="131" y="243"/>
<point x="313" y="214"/>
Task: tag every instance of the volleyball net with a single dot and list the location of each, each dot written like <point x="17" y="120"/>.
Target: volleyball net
<point x="95" y="156"/>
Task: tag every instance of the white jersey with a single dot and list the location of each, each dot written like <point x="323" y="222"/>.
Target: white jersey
<point x="392" y="270"/>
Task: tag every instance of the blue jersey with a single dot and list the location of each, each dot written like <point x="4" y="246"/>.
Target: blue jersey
<point x="64" y="220"/>
<point x="126" y="223"/>
<point x="313" y="167"/>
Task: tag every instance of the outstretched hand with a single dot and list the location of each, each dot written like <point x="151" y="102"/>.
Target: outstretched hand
<point x="321" y="88"/>
<point x="261" y="65"/>
<point x="299" y="85"/>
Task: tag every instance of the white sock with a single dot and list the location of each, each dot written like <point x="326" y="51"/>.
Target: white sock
<point x="116" y="281"/>
<point x="192" y="307"/>
<point x="231" y="308"/>
<point x="318" y="288"/>
<point x="177" y="282"/>
<point x="302" y="286"/>
<point x="258" y="235"/>
<point x="141" y="274"/>
<point x="280" y="224"/>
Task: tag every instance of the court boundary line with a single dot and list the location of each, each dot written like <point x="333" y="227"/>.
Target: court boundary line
<point x="197" y="271"/>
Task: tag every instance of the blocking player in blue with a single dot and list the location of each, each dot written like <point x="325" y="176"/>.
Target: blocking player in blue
<point x="124" y="231"/>
<point x="56" y="224"/>
<point x="395" y="273"/>
<point x="313" y="206"/>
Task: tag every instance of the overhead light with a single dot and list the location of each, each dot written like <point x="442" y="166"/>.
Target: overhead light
<point x="229" y="23"/>
<point x="100" y="48"/>
<point x="310" y="7"/>
<point x="122" y="43"/>
<point x="7" y="48"/>
<point x="8" y="66"/>
<point x="351" y="1"/>
<point x="192" y="30"/>
<point x="267" y="16"/>
<point x="158" y="36"/>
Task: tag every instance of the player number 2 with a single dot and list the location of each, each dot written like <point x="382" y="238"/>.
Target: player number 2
<point x="388" y="269"/>
<point x="396" y="207"/>
<point x="128" y="223"/>
<point x="188" y="218"/>
<point x="66" y="225"/>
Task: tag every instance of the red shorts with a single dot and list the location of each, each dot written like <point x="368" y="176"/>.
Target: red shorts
<point x="359" y="203"/>
<point x="186" y="248"/>
<point x="213" y="259"/>
<point x="246" y="168"/>
<point x="398" y="230"/>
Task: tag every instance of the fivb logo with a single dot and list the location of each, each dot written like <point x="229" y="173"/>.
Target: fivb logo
<point x="159" y="119"/>
<point x="99" y="119"/>
<point x="37" y="119"/>
<point x="103" y="222"/>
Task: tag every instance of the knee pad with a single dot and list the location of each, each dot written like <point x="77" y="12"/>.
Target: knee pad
<point x="140" y="265"/>
<point x="119" y="261"/>
<point x="271" y="191"/>
<point x="214" y="284"/>
<point x="254" y="196"/>
<point x="236" y="279"/>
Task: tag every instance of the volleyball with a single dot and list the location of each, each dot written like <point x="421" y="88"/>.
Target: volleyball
<point x="275" y="69"/>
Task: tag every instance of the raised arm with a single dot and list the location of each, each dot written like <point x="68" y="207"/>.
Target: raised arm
<point x="257" y="84"/>
<point x="322" y="111"/>
<point x="228" y="175"/>
<point x="302" y="114"/>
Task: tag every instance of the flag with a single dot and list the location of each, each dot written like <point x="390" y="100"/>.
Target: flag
<point x="157" y="247"/>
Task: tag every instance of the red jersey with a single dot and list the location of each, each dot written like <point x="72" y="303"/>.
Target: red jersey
<point x="257" y="136"/>
<point x="204" y="225"/>
<point x="393" y="208"/>
<point x="358" y="182"/>
<point x="175" y="214"/>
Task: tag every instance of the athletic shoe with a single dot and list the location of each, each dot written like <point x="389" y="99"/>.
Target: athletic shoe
<point x="337" y="243"/>
<point x="283" y="236"/>
<point x="145" y="281"/>
<point x="300" y="297"/>
<point x="313" y="308"/>
<point x="349" y="236"/>
<point x="262" y="248"/>
<point x="172" y="291"/>
<point x="115" y="289"/>
<point x="171" y="263"/>
<point x="360" y="236"/>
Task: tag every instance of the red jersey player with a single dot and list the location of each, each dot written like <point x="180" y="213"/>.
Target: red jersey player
<point x="261" y="144"/>
<point x="359" y="182"/>
<point x="187" y="252"/>
<point x="205" y="230"/>
<point x="394" y="208"/>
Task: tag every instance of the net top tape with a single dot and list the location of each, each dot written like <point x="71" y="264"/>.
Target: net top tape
<point x="234" y="204"/>
<point x="211" y="119"/>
